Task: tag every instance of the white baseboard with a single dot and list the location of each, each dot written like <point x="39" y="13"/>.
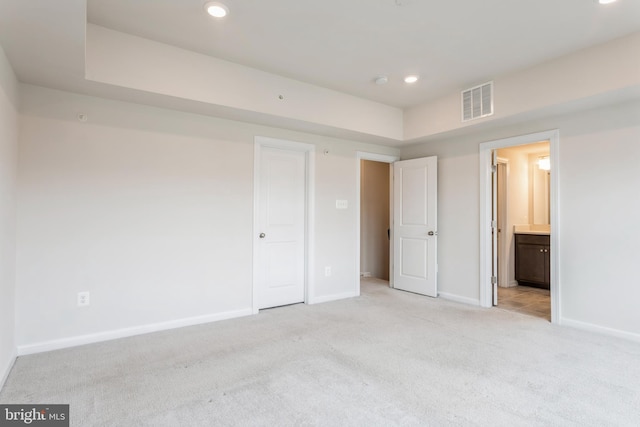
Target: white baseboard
<point x="458" y="298"/>
<point x="128" y="332"/>
<point x="7" y="369"/>
<point x="334" y="297"/>
<point x="590" y="327"/>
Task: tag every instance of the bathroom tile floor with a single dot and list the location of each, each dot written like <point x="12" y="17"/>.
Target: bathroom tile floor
<point x="526" y="300"/>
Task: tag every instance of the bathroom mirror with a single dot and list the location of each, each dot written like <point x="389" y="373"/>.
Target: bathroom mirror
<point x="540" y="181"/>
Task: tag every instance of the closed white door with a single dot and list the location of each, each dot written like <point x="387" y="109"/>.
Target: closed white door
<point x="280" y="236"/>
<point x="415" y="225"/>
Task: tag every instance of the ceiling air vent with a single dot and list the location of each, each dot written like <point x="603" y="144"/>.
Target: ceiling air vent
<point x="477" y="102"/>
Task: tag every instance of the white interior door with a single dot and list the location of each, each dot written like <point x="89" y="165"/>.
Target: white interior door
<point x="415" y="235"/>
<point x="280" y="239"/>
<point x="494" y="225"/>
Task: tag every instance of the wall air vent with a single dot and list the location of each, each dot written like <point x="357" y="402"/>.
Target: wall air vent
<point x="477" y="102"/>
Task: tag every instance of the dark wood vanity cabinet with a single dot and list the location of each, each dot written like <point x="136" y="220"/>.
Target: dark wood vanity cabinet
<point x="532" y="260"/>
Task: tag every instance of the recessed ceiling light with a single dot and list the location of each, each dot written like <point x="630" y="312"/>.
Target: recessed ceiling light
<point x="215" y="9"/>
<point x="606" y="1"/>
<point x="411" y="79"/>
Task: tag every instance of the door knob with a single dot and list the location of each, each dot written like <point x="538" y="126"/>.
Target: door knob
<point x="262" y="235"/>
<point x="432" y="233"/>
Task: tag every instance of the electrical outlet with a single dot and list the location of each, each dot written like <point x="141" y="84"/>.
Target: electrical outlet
<point x="327" y="271"/>
<point x="83" y="299"/>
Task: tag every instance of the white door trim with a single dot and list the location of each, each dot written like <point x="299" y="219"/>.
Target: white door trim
<point x="382" y="158"/>
<point x="553" y="136"/>
<point x="309" y="149"/>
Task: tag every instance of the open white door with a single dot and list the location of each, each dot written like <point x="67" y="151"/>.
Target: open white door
<point x="494" y="225"/>
<point x="415" y="235"/>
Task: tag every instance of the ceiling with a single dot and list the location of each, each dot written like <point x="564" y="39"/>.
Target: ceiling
<point x="335" y="44"/>
<point x="344" y="45"/>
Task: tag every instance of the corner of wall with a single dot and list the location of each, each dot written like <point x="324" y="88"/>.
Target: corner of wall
<point x="7" y="369"/>
<point x="8" y="165"/>
<point x="8" y="80"/>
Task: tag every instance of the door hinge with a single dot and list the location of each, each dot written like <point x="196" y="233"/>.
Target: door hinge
<point x="494" y="168"/>
<point x="494" y="224"/>
<point x="494" y="280"/>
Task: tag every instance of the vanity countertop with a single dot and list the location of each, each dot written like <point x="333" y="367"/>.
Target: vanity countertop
<point x="538" y="232"/>
<point x="539" y="229"/>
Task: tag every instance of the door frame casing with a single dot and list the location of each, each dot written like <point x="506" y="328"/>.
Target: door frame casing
<point x="382" y="158"/>
<point x="309" y="150"/>
<point x="486" y="148"/>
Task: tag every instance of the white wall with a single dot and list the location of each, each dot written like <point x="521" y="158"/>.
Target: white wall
<point x="8" y="160"/>
<point x="599" y="209"/>
<point x="151" y="211"/>
<point x="124" y="60"/>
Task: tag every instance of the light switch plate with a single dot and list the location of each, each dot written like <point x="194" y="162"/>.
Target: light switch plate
<point x="342" y="204"/>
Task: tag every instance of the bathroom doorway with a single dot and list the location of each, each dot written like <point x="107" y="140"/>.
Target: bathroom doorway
<point x="522" y="202"/>
<point x="525" y="218"/>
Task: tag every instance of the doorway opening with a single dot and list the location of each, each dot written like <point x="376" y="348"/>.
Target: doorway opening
<point x="537" y="265"/>
<point x="521" y="183"/>
<point x="411" y="230"/>
<point x="375" y="224"/>
<point x="375" y="215"/>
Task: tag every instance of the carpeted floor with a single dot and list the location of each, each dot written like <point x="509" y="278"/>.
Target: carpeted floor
<point x="386" y="358"/>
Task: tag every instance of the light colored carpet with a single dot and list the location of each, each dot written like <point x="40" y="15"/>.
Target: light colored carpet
<point x="386" y="358"/>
